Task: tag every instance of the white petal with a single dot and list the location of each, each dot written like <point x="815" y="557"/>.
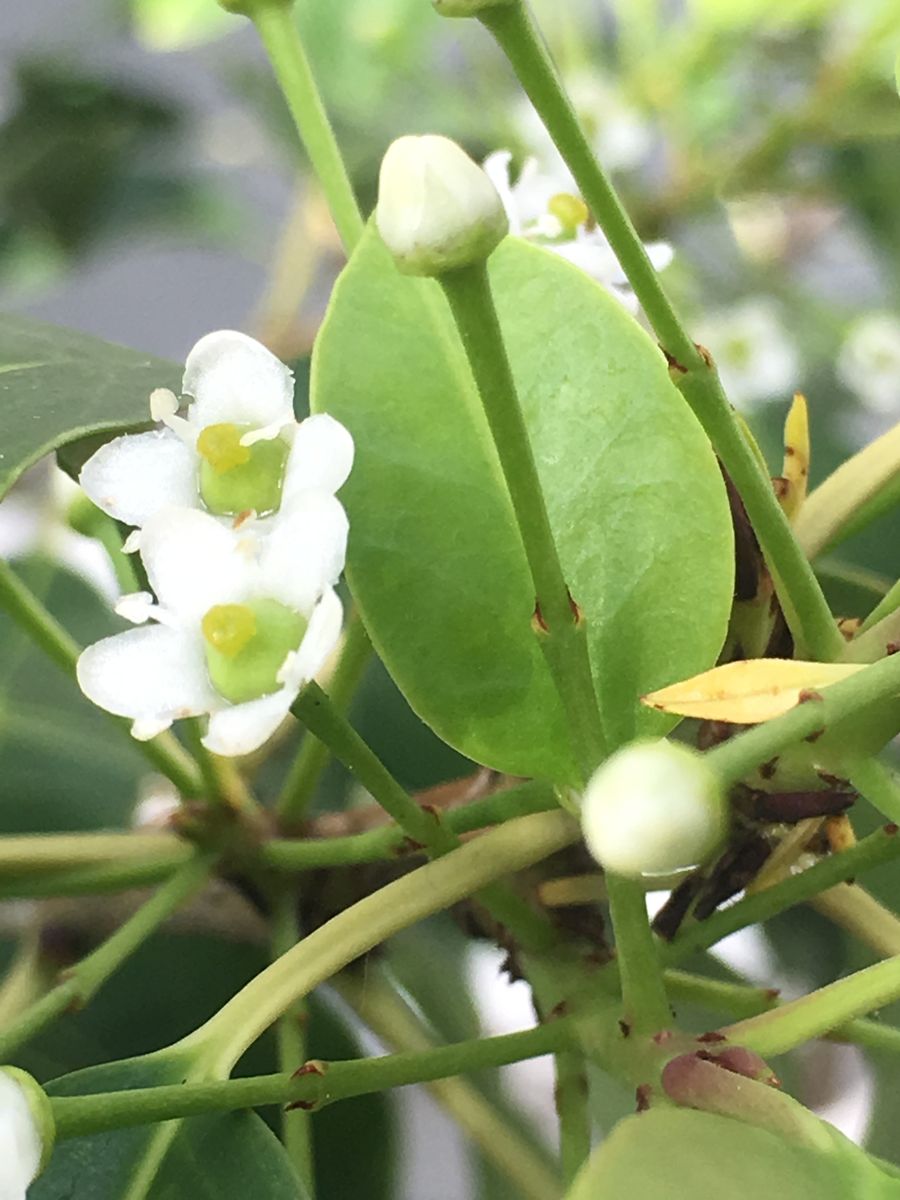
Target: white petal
<point x="304" y="553"/>
<point x="136" y="607"/>
<point x="242" y="728"/>
<point x="134" y="476"/>
<point x="321" y="638"/>
<point x="234" y="378"/>
<point x="146" y="728"/>
<point x="149" y="674"/>
<point x="660" y="254"/>
<point x="594" y="256"/>
<point x="194" y="562"/>
<point x="496" y="167"/>
<point x="321" y="457"/>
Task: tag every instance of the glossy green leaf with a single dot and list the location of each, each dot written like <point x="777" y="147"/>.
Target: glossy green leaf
<point x="435" y="558"/>
<point x="679" y="1154"/>
<point x="57" y="386"/>
<point x="218" y="1157"/>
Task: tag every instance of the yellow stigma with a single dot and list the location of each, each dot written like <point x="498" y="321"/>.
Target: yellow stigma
<point x="221" y="446"/>
<point x="229" y="627"/>
<point x="570" y="211"/>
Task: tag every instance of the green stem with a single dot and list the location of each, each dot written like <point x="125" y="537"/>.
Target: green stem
<point x="878" y="783"/>
<point x="79" y="983"/>
<point x="43" y="628"/>
<point x="279" y="34"/>
<point x="819" y="1013"/>
<point x="491" y="1129"/>
<point x="80" y="1116"/>
<point x="862" y="916"/>
<point x="88" y="880"/>
<point x="573" y="1111"/>
<point x="425" y="827"/>
<point x="560" y="627"/>
<point x="316" y="711"/>
<point x="300" y="785"/>
<point x="53" y="851"/>
<point x="356" y="930"/>
<point x="879" y="847"/>
<point x="888" y="604"/>
<point x="296" y="1127"/>
<point x="740" y="755"/>
<point x="644" y="1001"/>
<point x="390" y="841"/>
<point x="805" y="606"/>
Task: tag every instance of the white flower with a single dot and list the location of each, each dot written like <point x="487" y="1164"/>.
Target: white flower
<point x="25" y="1132"/>
<point x="243" y="621"/>
<point x="437" y="210"/>
<point x="756" y="359"/>
<point x="869" y="361"/>
<point x="238" y="450"/>
<point x="653" y="808"/>
<point x="620" y="136"/>
<point x="543" y="208"/>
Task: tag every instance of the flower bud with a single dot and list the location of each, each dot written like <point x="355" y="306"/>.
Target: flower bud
<point x="466" y="8"/>
<point x="26" y="1132"/>
<point x="653" y="808"/>
<point x="437" y="210"/>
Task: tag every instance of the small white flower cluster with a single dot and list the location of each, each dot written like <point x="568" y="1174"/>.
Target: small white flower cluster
<point x="869" y="362"/>
<point x="542" y="206"/>
<point x="242" y="540"/>
<point x="756" y="357"/>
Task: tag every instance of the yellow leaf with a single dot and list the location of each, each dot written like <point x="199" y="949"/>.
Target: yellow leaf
<point x="796" y="457"/>
<point x="746" y="693"/>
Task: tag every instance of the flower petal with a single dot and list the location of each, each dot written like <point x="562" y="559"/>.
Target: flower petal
<point x="134" y="476"/>
<point x="321" y="457"/>
<point x="194" y="562"/>
<point x="151" y="674"/>
<point x="242" y="728"/>
<point x="319" y="641"/>
<point x="235" y="379"/>
<point x="304" y="554"/>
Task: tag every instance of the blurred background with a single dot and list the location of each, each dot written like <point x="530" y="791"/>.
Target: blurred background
<point x="151" y="189"/>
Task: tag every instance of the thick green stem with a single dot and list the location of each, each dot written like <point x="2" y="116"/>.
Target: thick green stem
<point x="312" y="757"/>
<point x="43" y="628"/>
<point x="35" y="852"/>
<point x="390" y="841"/>
<point x="644" y="1001"/>
<point x="79" y="1116"/>
<point x="879" y="847"/>
<point x="819" y="1013"/>
<point x="328" y="949"/>
<point x="573" y="1112"/>
<point x="79" y="983"/>
<point x="736" y="758"/>
<point x="278" y="32"/>
<point x="804" y="603"/>
<point x="862" y="916"/>
<point x="560" y="627"/>
<point x="296" y="1127"/>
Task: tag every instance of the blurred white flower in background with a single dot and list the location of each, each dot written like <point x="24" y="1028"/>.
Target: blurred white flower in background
<point x="756" y="357"/>
<point x="621" y="136"/>
<point x="540" y="209"/>
<point x="869" y="362"/>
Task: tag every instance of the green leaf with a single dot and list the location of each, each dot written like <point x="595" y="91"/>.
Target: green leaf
<point x="679" y="1154"/>
<point x="217" y="1157"/>
<point x="435" y="559"/>
<point x="57" y="386"/>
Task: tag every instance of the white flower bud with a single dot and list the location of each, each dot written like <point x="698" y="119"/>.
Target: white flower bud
<point x="26" y="1132"/>
<point x="437" y="210"/>
<point x="653" y="808"/>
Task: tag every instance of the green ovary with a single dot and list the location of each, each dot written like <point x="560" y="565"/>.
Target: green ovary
<point x="236" y="479"/>
<point x="246" y="645"/>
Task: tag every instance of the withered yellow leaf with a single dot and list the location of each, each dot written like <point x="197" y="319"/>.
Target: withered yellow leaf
<point x="745" y="693"/>
<point x="795" y="472"/>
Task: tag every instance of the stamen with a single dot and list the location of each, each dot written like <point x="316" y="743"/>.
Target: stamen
<point x="570" y="211"/>
<point x="221" y="446"/>
<point x="228" y="628"/>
